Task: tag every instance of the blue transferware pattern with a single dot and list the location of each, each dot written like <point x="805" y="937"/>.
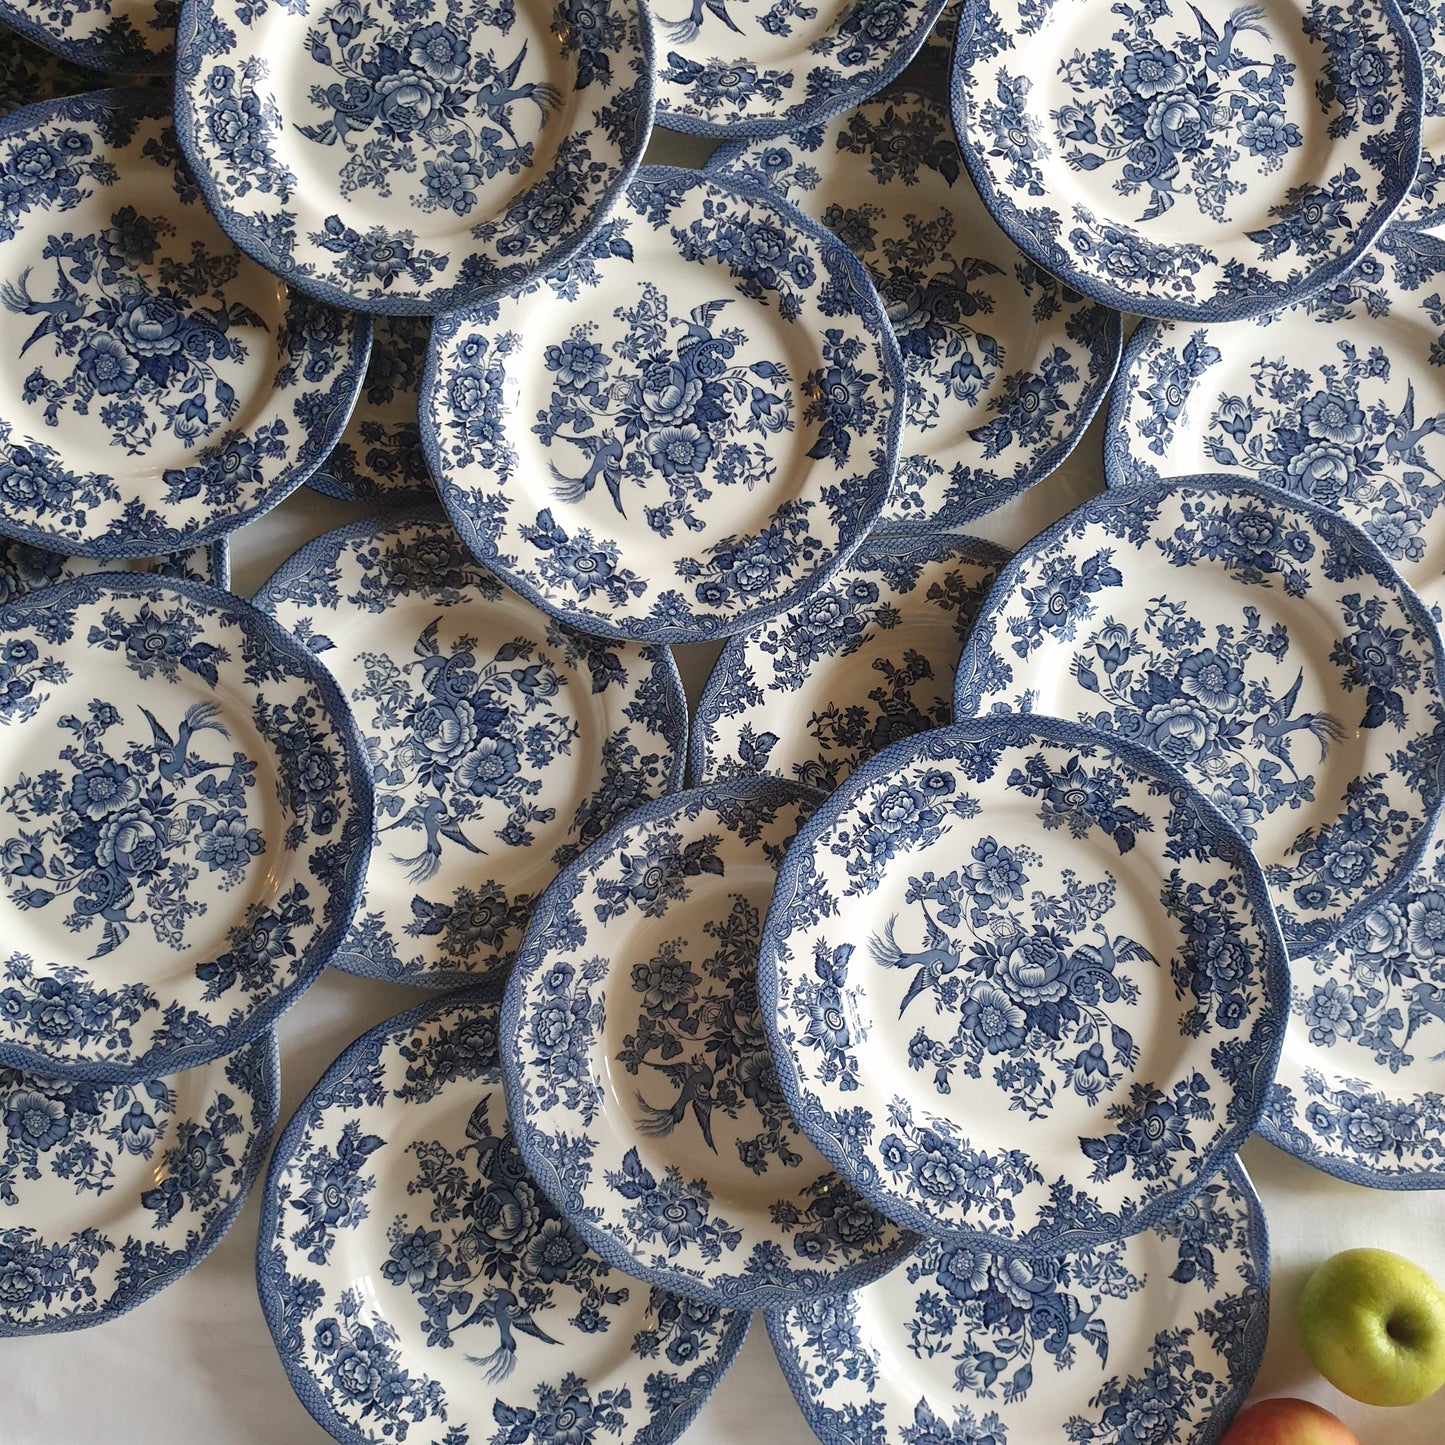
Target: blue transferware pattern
<point x="1336" y="400"/>
<point x="31" y="73"/>
<point x="413" y="157"/>
<point x="128" y="37"/>
<point x="185" y="831"/>
<point x="1360" y="1089"/>
<point x="1425" y="204"/>
<point x="742" y="68"/>
<point x="1203" y="163"/>
<point x="642" y="1089"/>
<point x="109" y="1193"/>
<point x="1004" y="366"/>
<point x="1259" y="643"/>
<point x="1023" y="984"/>
<point x="484" y="1319"/>
<point x="721" y="365"/>
<point x="164" y="389"/>
<point x="1156" y="1338"/>
<point x="380" y="457"/>
<point x="867" y="660"/>
<point x="24" y="568"/>
<point x="501" y="742"/>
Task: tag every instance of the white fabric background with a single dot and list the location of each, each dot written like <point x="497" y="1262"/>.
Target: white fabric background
<point x="196" y="1363"/>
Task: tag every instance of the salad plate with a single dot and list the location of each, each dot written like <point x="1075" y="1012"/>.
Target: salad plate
<point x="1153" y="1338"/>
<point x="643" y="1094"/>
<point x="407" y="158"/>
<point x="110" y="1192"/>
<point x="126" y="37"/>
<point x="379" y="458"/>
<point x="1338" y="400"/>
<point x="1360" y="1089"/>
<point x="721" y="365"/>
<point x="867" y="660"/>
<point x="1023" y="984"/>
<point x="163" y="388"/>
<point x="1261" y="644"/>
<point x="501" y="741"/>
<point x="1199" y="162"/>
<point x="420" y="1287"/>
<point x="187" y="817"/>
<point x="24" y="568"/>
<point x="1005" y="366"/>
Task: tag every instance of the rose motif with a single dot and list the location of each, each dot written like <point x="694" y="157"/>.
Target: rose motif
<point x="667" y="393"/>
<point x="1034" y="970"/>
<point x="1180" y="730"/>
<point x="133" y="842"/>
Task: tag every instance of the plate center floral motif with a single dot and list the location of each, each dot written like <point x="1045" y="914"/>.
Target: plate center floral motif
<point x="134" y="341"/>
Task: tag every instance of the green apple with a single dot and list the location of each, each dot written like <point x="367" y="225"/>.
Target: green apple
<point x="1373" y="1323"/>
<point x="1288" y="1421"/>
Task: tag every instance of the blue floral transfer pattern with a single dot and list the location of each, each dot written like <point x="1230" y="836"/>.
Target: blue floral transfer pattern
<point x="1176" y="110"/>
<point x="152" y="1173"/>
<point x="25" y="569"/>
<point x="1360" y="1090"/>
<point x="1332" y="400"/>
<point x="1318" y="750"/>
<point x="122" y="36"/>
<point x="30" y="72"/>
<point x="222" y="822"/>
<point x="165" y="388"/>
<point x="490" y="1322"/>
<point x="646" y="1096"/>
<point x="963" y="1012"/>
<point x="961" y="1345"/>
<point x="743" y="441"/>
<point x="380" y="457"/>
<point x="501" y="742"/>
<point x="502" y="134"/>
<point x="866" y="661"/>
<point x="1004" y="365"/>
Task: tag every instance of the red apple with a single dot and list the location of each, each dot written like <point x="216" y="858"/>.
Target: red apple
<point x="1288" y="1421"/>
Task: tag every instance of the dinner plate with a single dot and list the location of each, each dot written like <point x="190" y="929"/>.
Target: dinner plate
<point x="379" y="458"/>
<point x="420" y="1287"/>
<point x="30" y="73"/>
<point x="1005" y="366"/>
<point x="867" y="660"/>
<point x="1425" y="204"/>
<point x="127" y="37"/>
<point x="1154" y="1338"/>
<point x="110" y="1192"/>
<point x="410" y="156"/>
<point x="1260" y="643"/>
<point x="1335" y="400"/>
<point x="744" y="68"/>
<point x="501" y="742"/>
<point x="1360" y="1089"/>
<point x="186" y="826"/>
<point x="162" y="389"/>
<point x="645" y="1101"/>
<point x="1201" y="162"/>
<point x="1023" y="984"/>
<point x="24" y="568"/>
<point x="721" y="365"/>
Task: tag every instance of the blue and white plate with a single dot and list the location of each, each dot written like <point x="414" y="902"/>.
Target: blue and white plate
<point x="1360" y="1089"/>
<point x="747" y="68"/>
<point x="644" y="1096"/>
<point x="410" y="156"/>
<point x="500" y="741"/>
<point x="1202" y="162"/>
<point x="682" y="432"/>
<point x="1425" y="204"/>
<point x="1005" y="366"/>
<point x="111" y="1192"/>
<point x="1156" y="1338"/>
<point x="1023" y="984"/>
<point x="128" y="37"/>
<point x="24" y="568"/>
<point x="420" y="1287"/>
<point x="1340" y="400"/>
<point x="1259" y="643"/>
<point x="187" y="818"/>
<point x="867" y="660"/>
<point x="161" y="389"/>
<point x="31" y="73"/>
<point x="380" y="459"/>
